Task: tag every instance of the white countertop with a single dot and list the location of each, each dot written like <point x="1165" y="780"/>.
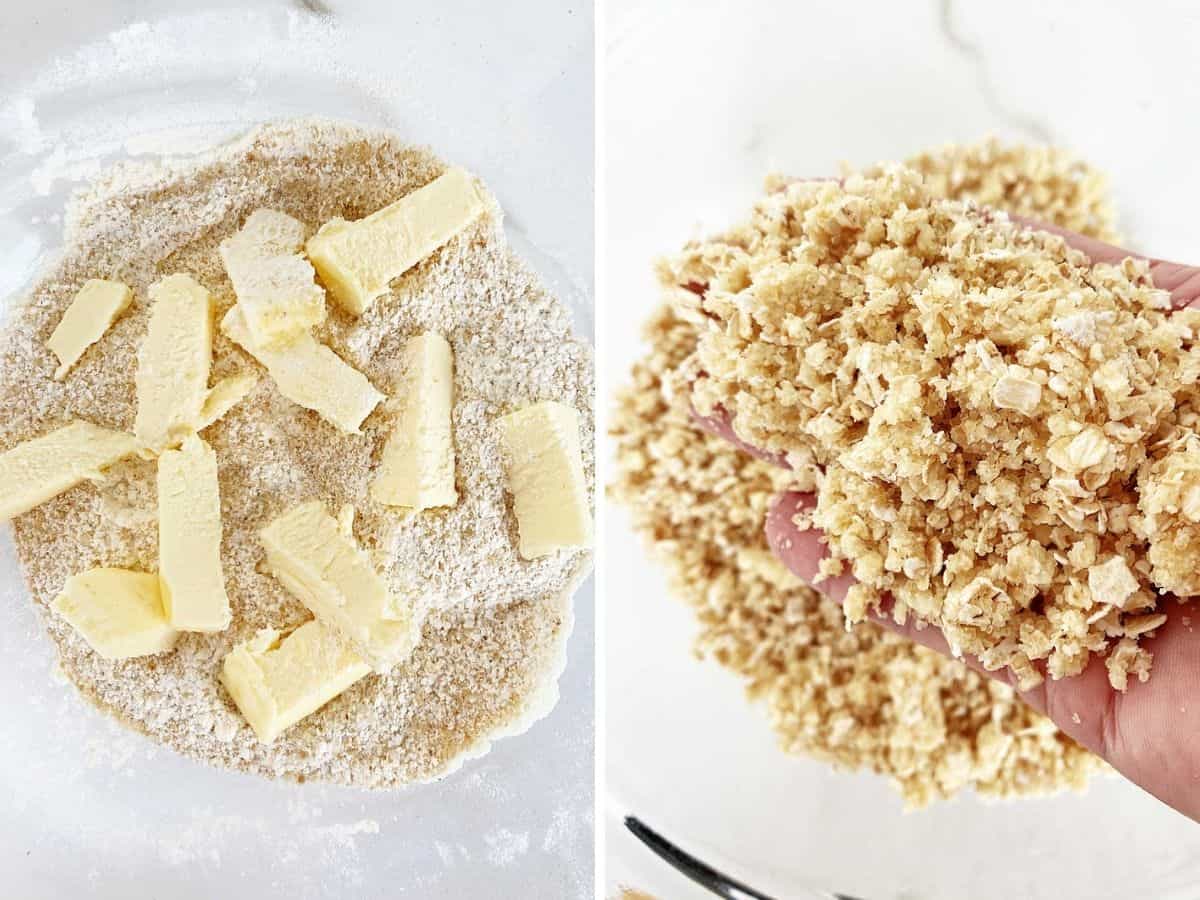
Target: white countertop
<point x="702" y="101"/>
<point x="93" y="810"/>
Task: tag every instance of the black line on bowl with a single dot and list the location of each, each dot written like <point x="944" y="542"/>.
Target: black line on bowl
<point x="700" y="872"/>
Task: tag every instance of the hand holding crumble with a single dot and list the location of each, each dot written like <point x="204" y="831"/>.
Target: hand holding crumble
<point x="1103" y="559"/>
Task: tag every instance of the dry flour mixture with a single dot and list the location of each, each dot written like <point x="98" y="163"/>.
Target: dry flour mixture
<point x="495" y="625"/>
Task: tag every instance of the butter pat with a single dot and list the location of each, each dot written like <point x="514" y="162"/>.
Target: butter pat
<point x="90" y="314"/>
<point x="118" y="612"/>
<point x="224" y="396"/>
<point x="356" y="260"/>
<point x="545" y="475"/>
<point x="417" y="469"/>
<point x="275" y="285"/>
<point x="277" y="682"/>
<point x="173" y="362"/>
<point x="36" y="470"/>
<point x="189" y="538"/>
<point x="315" y="559"/>
<point x="310" y="374"/>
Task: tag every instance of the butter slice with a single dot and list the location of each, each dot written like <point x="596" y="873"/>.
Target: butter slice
<point x="275" y="285"/>
<point x="417" y="469"/>
<point x="224" y="396"/>
<point x="173" y="362"/>
<point x="90" y="314"/>
<point x="310" y="374"/>
<point x="357" y="260"/>
<point x="118" y="612"/>
<point x="277" y="682"/>
<point x="189" y="538"/>
<point x="323" y="566"/>
<point x="545" y="475"/>
<point x="35" y="471"/>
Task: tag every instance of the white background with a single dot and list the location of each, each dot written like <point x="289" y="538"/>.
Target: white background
<point x="90" y="810"/>
<point x="703" y="100"/>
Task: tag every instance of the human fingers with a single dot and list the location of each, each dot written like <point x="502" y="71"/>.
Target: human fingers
<point x="800" y="548"/>
<point x="1144" y="732"/>
<point x="719" y="423"/>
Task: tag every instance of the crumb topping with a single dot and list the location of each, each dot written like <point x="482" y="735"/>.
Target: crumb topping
<point x="863" y="698"/>
<point x="962" y="390"/>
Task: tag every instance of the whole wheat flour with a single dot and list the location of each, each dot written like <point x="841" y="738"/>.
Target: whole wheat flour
<point x="495" y="628"/>
<point x="863" y="698"/>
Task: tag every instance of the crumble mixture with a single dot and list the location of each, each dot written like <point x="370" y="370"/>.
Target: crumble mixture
<point x="1043" y="183"/>
<point x="863" y="698"/>
<point x="494" y="637"/>
<point x="996" y="429"/>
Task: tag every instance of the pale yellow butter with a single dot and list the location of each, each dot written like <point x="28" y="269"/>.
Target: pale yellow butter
<point x="417" y="468"/>
<point x="189" y="538"/>
<point x="277" y="682"/>
<point x="357" y="260"/>
<point x="224" y="396"/>
<point x="36" y="470"/>
<point x="174" y="362"/>
<point x="545" y="476"/>
<point x="315" y="559"/>
<point x="310" y="374"/>
<point x="90" y="314"/>
<point x="275" y="285"/>
<point x="118" y="612"/>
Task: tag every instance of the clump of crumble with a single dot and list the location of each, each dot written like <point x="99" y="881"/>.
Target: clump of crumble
<point x="1044" y="183"/>
<point x="974" y="400"/>
<point x="1170" y="503"/>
